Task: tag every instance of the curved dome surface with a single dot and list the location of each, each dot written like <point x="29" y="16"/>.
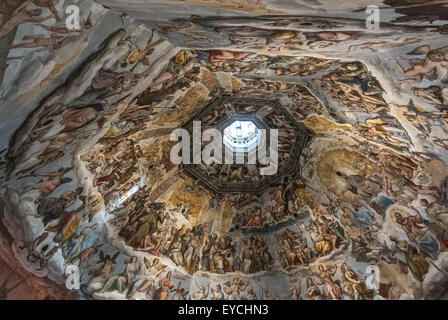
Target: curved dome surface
<point x="341" y="191"/>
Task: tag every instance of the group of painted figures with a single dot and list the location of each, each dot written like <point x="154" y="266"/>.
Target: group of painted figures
<point x="89" y="169"/>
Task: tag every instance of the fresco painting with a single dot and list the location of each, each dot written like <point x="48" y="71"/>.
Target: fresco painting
<point x="87" y="179"/>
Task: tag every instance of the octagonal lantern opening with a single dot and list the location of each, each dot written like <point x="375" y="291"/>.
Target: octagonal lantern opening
<point x="241" y="136"/>
<point x="244" y="120"/>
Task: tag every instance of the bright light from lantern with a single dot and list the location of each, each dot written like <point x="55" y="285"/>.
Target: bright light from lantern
<point x="241" y="136"/>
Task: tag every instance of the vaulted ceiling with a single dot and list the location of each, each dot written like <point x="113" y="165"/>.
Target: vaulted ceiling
<point x="88" y="182"/>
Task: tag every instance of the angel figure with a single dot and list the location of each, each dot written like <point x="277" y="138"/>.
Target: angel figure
<point x="138" y="56"/>
<point x="146" y="283"/>
<point x="332" y="289"/>
<point x="99" y="279"/>
<point x="354" y="285"/>
<point x="202" y="294"/>
<point x="73" y="248"/>
<point x="295" y="292"/>
<point x="433" y="66"/>
<point x="107" y="263"/>
<point x="124" y="280"/>
<point x="180" y="293"/>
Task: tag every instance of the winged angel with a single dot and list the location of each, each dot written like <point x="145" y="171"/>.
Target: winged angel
<point x="433" y="67"/>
